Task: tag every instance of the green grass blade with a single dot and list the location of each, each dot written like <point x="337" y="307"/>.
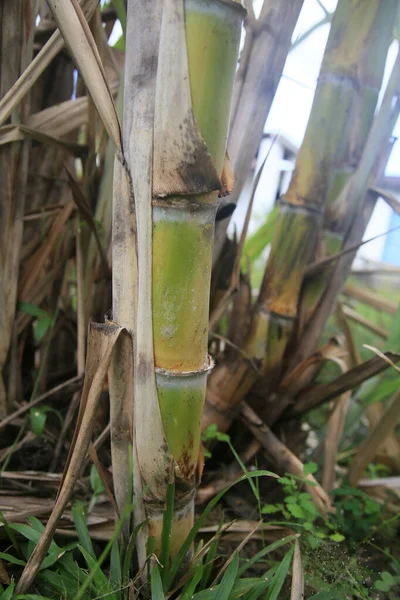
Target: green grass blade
<point x="188" y="593"/>
<point x="78" y="514"/>
<point x="157" y="592"/>
<point x="166" y="530"/>
<point x="241" y="587"/>
<point x="129" y="553"/>
<point x="210" y="557"/>
<point x="115" y="569"/>
<point x="228" y="580"/>
<point x="8" y="594"/>
<point x="100" y="581"/>
<point x="254" y="559"/>
<point x="11" y="559"/>
<point x="280" y="576"/>
<point x="170" y="576"/>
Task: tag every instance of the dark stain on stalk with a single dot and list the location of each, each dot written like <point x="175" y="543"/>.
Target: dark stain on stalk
<point x="185" y="463"/>
<point x="144" y="367"/>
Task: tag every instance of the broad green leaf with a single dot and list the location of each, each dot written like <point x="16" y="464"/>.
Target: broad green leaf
<point x="31" y="310"/>
<point x="296" y="511"/>
<point x="38" y="420"/>
<point x="41" y="328"/>
<point x="337" y="537"/>
<point x="310" y="468"/>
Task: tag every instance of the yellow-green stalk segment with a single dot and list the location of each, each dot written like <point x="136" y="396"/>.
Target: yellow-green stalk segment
<point x="300" y="216"/>
<point x="187" y="106"/>
<point x="183" y="229"/>
<point x="367" y="69"/>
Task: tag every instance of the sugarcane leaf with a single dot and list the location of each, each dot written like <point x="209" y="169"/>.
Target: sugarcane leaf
<point x="280" y="576"/>
<point x="260" y="239"/>
<point x="79" y="39"/>
<point x="101" y="342"/>
<point x="36" y="67"/>
<point x="228" y="579"/>
<point x="157" y="592"/>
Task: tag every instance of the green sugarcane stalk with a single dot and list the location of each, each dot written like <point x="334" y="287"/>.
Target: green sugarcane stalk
<point x="301" y="208"/>
<point x="337" y="217"/>
<point x="177" y="101"/>
<point x="300" y="218"/>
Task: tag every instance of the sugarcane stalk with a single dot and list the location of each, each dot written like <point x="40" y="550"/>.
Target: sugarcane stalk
<point x="300" y="216"/>
<point x="261" y="65"/>
<point x="179" y="83"/>
<point x="368" y="77"/>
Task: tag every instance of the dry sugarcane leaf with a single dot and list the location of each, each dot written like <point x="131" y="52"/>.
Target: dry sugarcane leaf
<point x="36" y="67"/>
<point x="37" y="261"/>
<point x="390" y="199"/>
<point x="18" y="133"/>
<point x="371" y="298"/>
<point x="334" y="433"/>
<point x="83" y="205"/>
<point x="390" y="449"/>
<point x="382" y="356"/>
<point x="79" y="39"/>
<point x="182" y="163"/>
<point x="227" y="177"/>
<point x="323" y="393"/>
<point x="282" y="458"/>
<point x="358" y="318"/>
<point x="73" y="383"/>
<point x="150" y="458"/>
<point x="297" y="589"/>
<point x="222" y="305"/>
<point x="101" y="341"/>
<point x="370" y="447"/>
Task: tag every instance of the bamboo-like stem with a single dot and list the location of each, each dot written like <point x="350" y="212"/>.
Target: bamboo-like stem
<point x="175" y="128"/>
<point x="377" y="143"/>
<point x="300" y="217"/>
<point x="368" y="79"/>
<point x="261" y="64"/>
